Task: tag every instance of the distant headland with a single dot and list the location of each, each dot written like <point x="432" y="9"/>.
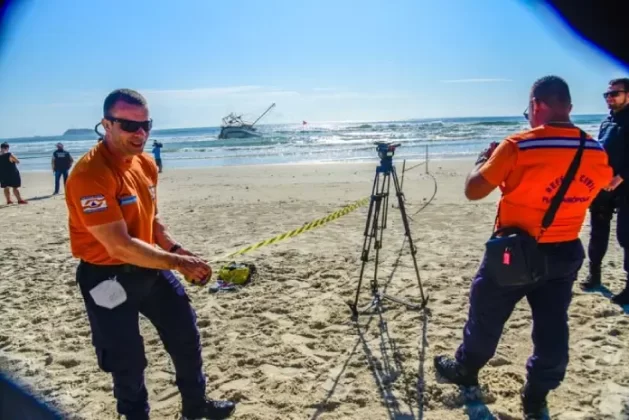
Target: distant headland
<point x="78" y="132"/>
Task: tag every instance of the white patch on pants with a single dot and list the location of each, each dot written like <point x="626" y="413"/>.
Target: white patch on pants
<point x="109" y="294"/>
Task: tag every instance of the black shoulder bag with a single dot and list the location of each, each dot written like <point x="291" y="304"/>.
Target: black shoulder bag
<point x="512" y="255"/>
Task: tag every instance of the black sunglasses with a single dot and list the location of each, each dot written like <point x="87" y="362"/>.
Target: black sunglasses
<point x="132" y="126"/>
<point x="526" y="113"/>
<point x="613" y="93"/>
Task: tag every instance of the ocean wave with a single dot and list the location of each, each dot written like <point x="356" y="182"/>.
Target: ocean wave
<point x="315" y="142"/>
<point x="498" y="123"/>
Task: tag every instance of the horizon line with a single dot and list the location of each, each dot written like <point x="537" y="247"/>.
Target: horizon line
<point x="479" y="80"/>
<point x="297" y="123"/>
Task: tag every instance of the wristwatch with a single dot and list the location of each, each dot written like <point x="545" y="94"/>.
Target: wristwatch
<point x="174" y="248"/>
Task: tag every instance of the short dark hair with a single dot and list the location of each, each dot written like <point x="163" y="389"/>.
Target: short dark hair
<point x="128" y="96"/>
<point x="624" y="81"/>
<point x="4" y="145"/>
<point x="553" y="91"/>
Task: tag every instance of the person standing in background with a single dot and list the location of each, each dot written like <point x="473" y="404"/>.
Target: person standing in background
<point x="157" y="154"/>
<point x="10" y="174"/>
<point x="61" y="164"/>
<point x="614" y="135"/>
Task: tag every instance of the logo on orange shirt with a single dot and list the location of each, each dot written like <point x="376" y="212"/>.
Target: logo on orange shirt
<point x="93" y="203"/>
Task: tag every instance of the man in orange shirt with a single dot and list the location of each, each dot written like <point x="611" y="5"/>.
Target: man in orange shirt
<point x="528" y="168"/>
<point x="114" y="229"/>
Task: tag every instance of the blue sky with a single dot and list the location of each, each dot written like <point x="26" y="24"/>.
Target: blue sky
<point x="318" y="60"/>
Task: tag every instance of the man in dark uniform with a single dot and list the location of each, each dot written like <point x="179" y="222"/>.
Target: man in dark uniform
<point x="115" y="231"/>
<point x="61" y="164"/>
<point x="614" y="135"/>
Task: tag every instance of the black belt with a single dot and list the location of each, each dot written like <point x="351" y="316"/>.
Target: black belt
<point x="553" y="245"/>
<point x="121" y="268"/>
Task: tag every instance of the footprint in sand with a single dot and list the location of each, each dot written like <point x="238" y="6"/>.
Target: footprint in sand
<point x="331" y="275"/>
<point x="153" y="341"/>
<point x="520" y="324"/>
<point x="606" y="311"/>
<point x="203" y="323"/>
<point x="68" y="361"/>
<point x="5" y="341"/>
<point x="614" y="401"/>
<point x="236" y="390"/>
<point x="498" y="360"/>
<point x="612" y="356"/>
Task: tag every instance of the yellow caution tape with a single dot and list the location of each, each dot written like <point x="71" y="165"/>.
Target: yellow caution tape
<point x="309" y="226"/>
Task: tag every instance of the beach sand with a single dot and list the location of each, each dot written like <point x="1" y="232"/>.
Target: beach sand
<point x="285" y="347"/>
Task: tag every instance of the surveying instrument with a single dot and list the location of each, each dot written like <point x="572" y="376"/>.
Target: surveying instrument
<point x="375" y="225"/>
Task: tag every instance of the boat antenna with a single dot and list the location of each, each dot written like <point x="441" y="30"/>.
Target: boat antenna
<point x="263" y="114"/>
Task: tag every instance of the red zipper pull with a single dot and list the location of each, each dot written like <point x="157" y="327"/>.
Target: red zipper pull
<point x="506" y="257"/>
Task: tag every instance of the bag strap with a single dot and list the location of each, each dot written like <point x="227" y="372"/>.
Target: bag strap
<point x="549" y="216"/>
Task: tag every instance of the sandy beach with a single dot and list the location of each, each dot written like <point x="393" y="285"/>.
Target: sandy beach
<point x="285" y="347"/>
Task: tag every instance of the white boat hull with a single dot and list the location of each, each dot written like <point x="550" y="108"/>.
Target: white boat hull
<point x="237" y="133"/>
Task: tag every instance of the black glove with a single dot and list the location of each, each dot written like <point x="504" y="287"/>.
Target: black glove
<point x="486" y="154"/>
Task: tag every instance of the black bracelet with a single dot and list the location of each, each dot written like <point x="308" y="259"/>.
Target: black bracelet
<point x="481" y="159"/>
<point x="174" y="248"/>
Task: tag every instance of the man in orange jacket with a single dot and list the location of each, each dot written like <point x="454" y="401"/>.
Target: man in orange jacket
<point x="528" y="168"/>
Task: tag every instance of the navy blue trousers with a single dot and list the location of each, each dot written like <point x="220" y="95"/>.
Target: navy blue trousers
<point x="600" y="223"/>
<point x="549" y="299"/>
<point x="160" y="297"/>
<point x="58" y="175"/>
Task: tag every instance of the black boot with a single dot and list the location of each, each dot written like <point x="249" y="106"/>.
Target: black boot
<point x="534" y="406"/>
<point x="593" y="279"/>
<point x="454" y="372"/>
<point x="209" y="410"/>
<point x="622" y="298"/>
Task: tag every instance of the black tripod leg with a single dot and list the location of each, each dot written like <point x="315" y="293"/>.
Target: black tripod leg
<point x="386" y="200"/>
<point x="369" y="233"/>
<point x="374" y="189"/>
<point x="407" y="230"/>
<point x="379" y="228"/>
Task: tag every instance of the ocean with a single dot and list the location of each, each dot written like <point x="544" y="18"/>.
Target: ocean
<point x="310" y="143"/>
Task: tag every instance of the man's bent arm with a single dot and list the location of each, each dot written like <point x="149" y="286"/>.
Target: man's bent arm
<point x="161" y="235"/>
<point x="492" y="168"/>
<point x="476" y="186"/>
<point x="119" y="245"/>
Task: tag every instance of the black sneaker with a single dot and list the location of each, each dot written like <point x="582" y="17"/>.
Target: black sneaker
<point x="534" y="405"/>
<point x="593" y="281"/>
<point x="454" y="372"/>
<point x="210" y="410"/>
<point x="622" y="298"/>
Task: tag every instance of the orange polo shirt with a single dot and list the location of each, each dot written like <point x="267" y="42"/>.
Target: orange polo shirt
<point x="104" y="189"/>
<point x="529" y="166"/>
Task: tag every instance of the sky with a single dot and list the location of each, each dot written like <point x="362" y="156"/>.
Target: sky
<point x="318" y="60"/>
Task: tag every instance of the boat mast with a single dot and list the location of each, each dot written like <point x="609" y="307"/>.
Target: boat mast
<point x="263" y="114"/>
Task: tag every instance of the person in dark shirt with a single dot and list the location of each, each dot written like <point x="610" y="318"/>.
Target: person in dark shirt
<point x="157" y="154"/>
<point x="614" y="135"/>
<point x="9" y="174"/>
<point x="61" y="164"/>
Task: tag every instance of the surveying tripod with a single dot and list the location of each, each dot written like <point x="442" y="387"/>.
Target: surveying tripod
<point x="375" y="225"/>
